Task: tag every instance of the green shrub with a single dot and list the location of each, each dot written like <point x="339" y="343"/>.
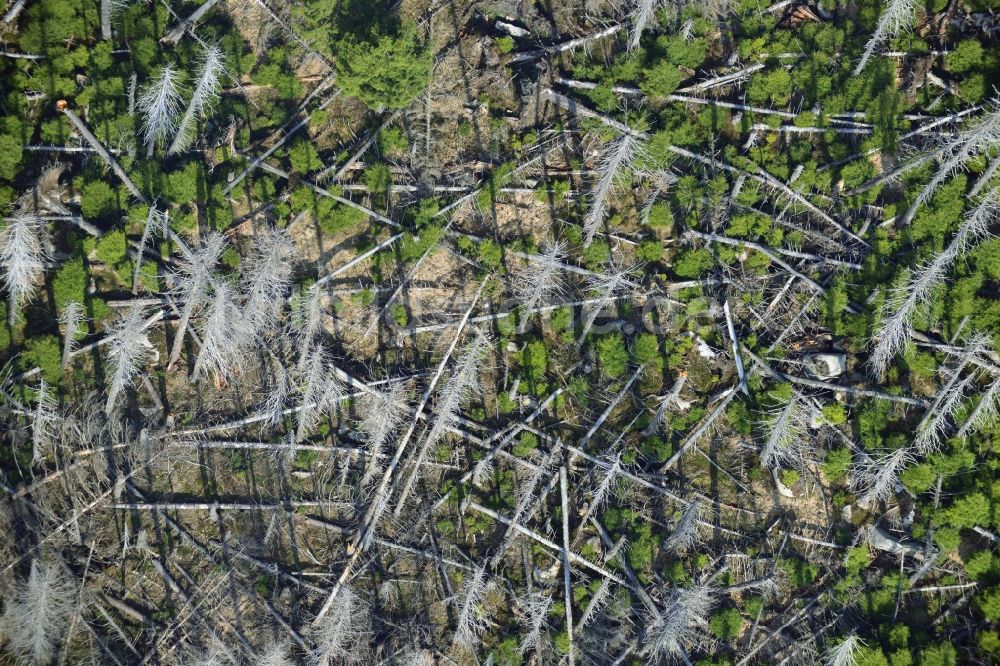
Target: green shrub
<point x="182" y="186"/>
<point x="971" y="510"/>
<point x="45" y="352"/>
<point x="526" y="443"/>
<point x="918" y="478"/>
<point x="378" y="178"/>
<point x="392" y="141"/>
<point x="661" y="79"/>
<point x="838" y="461"/>
<point x="335" y="218"/>
<point x="304" y="157"/>
<point x="692" y="263"/>
<point x="800" y="573"/>
<point x="835" y="413"/>
<point x="726" y="624"/>
<point x="11" y="152"/>
<point x="96" y="198"/>
<point x="942" y="654"/>
<point x="596" y="254"/>
<point x="988" y="603"/>
<point x="383" y="71"/>
<point x="660" y="216"/>
<point x="112" y="248"/>
<point x="773" y="87"/>
<point x="688" y="53"/>
<point x="656" y="448"/>
<point x="641" y="543"/>
<point x="753" y="606"/>
<point x="489" y="253"/>
<point x="534" y="360"/>
<point x="399" y="315"/>
<point x="647" y="349"/>
<point x="70" y="284"/>
<point x="649" y="251"/>
<point x="967" y="55"/>
<point x="612" y="354"/>
<point x="870" y="656"/>
<point x="989" y="643"/>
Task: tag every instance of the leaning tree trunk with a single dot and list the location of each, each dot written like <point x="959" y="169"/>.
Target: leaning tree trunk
<point x="85" y="132"/>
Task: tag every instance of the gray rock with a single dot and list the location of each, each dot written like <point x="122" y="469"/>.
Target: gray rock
<point x="511" y="29"/>
<point x="825" y="365"/>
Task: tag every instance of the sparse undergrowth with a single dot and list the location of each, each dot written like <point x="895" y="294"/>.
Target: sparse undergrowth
<point x="348" y="332"/>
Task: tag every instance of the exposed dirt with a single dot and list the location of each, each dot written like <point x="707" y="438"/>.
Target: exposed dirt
<point x="252" y="22"/>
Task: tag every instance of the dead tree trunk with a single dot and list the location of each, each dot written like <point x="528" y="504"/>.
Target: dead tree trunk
<point x="381" y="495"/>
<point x="105" y="19"/>
<point x="175" y="34"/>
<point x="567" y="577"/>
<point x="101" y="150"/>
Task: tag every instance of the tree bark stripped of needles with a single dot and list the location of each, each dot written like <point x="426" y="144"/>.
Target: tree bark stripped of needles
<point x="342" y="635"/>
<point x="699" y="432"/>
<point x="596" y="603"/>
<point x="155" y="221"/>
<point x="843" y="654"/>
<point x="175" y="35"/>
<point x="106" y="19"/>
<point x="37" y="612"/>
<point x="307" y="320"/>
<point x="785" y="435"/>
<point x="610" y="408"/>
<point x="540" y="279"/>
<point x="617" y="159"/>
<point x="918" y="290"/>
<point x="417" y="657"/>
<point x="277" y="389"/>
<point x="937" y="421"/>
<point x="108" y="10"/>
<point x="24" y="251"/>
<point x="194" y="276"/>
<point x="265" y="278"/>
<point x="159" y="103"/>
<point x="321" y="391"/>
<point x="471" y="621"/>
<point x="567" y="45"/>
<point x="685" y="532"/>
<point x="608" y="285"/>
<point x="101" y="150"/>
<point x="44" y="422"/>
<point x="129" y="349"/>
<point x="679" y="625"/>
<point x="877" y="477"/>
<point x="274" y="655"/>
<point x="986" y="411"/>
<point x="206" y="92"/>
<point x="71" y="319"/>
<point x="640" y="17"/>
<point x="463" y="382"/>
<point x="222" y="330"/>
<point x="976" y="140"/>
<point x="535" y="608"/>
<point x="526" y="496"/>
<point x="15" y="9"/>
<point x="671" y="400"/>
<point x="607" y="486"/>
<point x="383" y="414"/>
<point x="567" y="570"/>
<point x="897" y="16"/>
